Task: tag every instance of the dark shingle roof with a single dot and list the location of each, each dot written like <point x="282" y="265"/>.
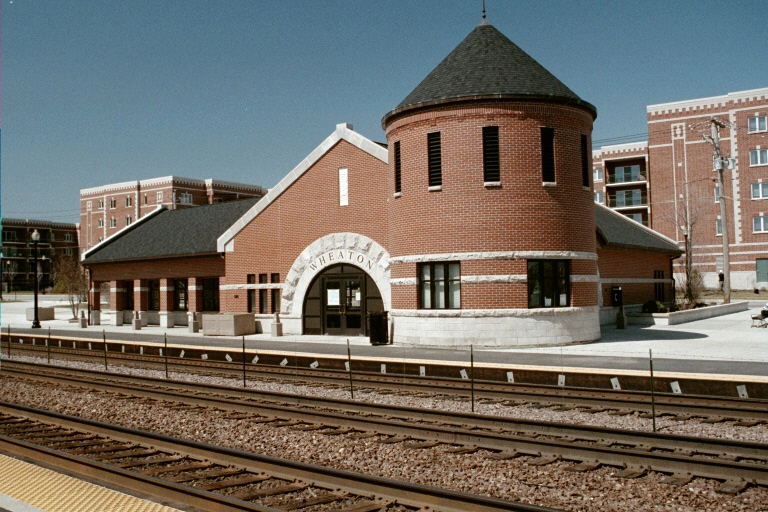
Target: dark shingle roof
<point x="617" y="230"/>
<point x="487" y="64"/>
<point x="172" y="233"/>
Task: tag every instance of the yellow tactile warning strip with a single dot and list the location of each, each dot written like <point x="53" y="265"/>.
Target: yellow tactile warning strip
<point x="54" y="492"/>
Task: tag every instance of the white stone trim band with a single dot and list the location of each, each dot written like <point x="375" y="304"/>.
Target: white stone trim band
<point x="259" y="286"/>
<point x="508" y="278"/>
<point x="489" y="313"/>
<point x="500" y="255"/>
<point x="585" y="278"/>
<point x="630" y="280"/>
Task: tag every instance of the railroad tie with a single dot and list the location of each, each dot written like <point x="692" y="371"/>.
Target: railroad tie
<point x="300" y="503"/>
<point x="462" y="450"/>
<point x="156" y="460"/>
<point x="205" y="476"/>
<point x="505" y="455"/>
<point x="544" y="461"/>
<point x="584" y="466"/>
<point x="421" y="445"/>
<point x="631" y="472"/>
<point x="270" y="491"/>
<point x="366" y="507"/>
<point x="249" y="478"/>
<point x="182" y="467"/>
<point x="732" y="487"/>
<point x="747" y="423"/>
<point x="678" y="479"/>
<point x="393" y="440"/>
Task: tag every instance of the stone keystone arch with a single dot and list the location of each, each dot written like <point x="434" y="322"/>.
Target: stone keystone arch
<point x="350" y="248"/>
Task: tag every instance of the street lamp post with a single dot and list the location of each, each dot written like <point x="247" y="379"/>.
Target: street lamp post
<point x="35" y="240"/>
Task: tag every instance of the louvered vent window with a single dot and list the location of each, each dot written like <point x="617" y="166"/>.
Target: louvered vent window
<point x="584" y="162"/>
<point x="548" y="154"/>
<point x="435" y="160"/>
<point x="491" y="166"/>
<point x="398" y="169"/>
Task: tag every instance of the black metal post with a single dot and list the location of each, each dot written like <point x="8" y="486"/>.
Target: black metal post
<point x="653" y="394"/>
<point x="472" y="375"/>
<point x="9" y="342"/>
<point x="35" y="239"/>
<point x="48" y="345"/>
<point x="349" y="362"/>
<point x="243" y="361"/>
<point x="104" y="337"/>
<point x="165" y="353"/>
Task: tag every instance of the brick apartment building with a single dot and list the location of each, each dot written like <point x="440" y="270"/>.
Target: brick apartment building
<point x="476" y="224"/>
<point x="668" y="182"/>
<point x="57" y="240"/>
<point x="107" y="209"/>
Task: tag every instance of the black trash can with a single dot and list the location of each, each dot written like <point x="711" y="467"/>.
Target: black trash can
<point x="378" y="328"/>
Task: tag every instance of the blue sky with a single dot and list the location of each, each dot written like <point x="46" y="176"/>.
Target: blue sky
<point x="96" y="92"/>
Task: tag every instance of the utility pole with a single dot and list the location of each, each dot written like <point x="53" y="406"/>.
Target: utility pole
<point x="719" y="163"/>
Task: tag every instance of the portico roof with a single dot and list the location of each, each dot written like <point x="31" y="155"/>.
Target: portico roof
<point x="619" y="231"/>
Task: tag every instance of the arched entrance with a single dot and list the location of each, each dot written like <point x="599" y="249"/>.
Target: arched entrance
<point x="338" y="301"/>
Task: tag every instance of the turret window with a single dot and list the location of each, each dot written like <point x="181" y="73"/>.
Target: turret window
<point x="584" y="161"/>
<point x="398" y="169"/>
<point x="548" y="284"/>
<point x="434" y="156"/>
<point x="491" y="164"/>
<point x="547" y="155"/>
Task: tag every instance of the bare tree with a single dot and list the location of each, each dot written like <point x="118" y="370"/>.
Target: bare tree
<point x="10" y="270"/>
<point x="71" y="280"/>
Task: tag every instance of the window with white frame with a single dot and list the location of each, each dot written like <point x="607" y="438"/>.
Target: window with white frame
<point x="758" y="157"/>
<point x="68" y="237"/>
<point x="113" y="203"/>
<point x="100" y="223"/>
<point x="128" y="201"/>
<point x="89" y="205"/>
<point x="112" y="222"/>
<point x="719" y="227"/>
<point x="600" y="197"/>
<point x="185" y="198"/>
<point x="439" y="285"/>
<point x="597" y="174"/>
<point x="101" y="204"/>
<point x="159" y="197"/>
<point x="758" y="124"/>
<point x="760" y="224"/>
<point x="760" y="190"/>
<point x="128" y="220"/>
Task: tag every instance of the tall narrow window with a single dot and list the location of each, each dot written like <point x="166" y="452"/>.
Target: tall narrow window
<point x="154" y="295"/>
<point x="439" y="286"/>
<point x="262" y="294"/>
<point x="491" y="166"/>
<point x="434" y="159"/>
<point x="548" y="154"/>
<point x="275" y="294"/>
<point x="251" y="279"/>
<point x="584" y="162"/>
<point x="180" y="294"/>
<point x="398" y="169"/>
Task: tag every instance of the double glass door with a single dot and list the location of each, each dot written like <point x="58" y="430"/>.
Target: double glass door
<point x="343" y="306"/>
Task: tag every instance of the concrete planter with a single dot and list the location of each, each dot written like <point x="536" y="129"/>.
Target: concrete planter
<point x="689" y="315"/>
<point x="229" y="324"/>
<point x="42" y="314"/>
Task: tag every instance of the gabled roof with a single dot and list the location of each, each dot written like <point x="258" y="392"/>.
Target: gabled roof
<point x="619" y="231"/>
<point x="488" y="65"/>
<point x="171" y="233"/>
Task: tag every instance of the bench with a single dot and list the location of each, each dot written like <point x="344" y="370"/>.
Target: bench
<point x="758" y="320"/>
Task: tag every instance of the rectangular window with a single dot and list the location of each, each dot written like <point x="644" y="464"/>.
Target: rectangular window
<point x="758" y="157"/>
<point x="128" y="220"/>
<point x="758" y="124"/>
<point x="68" y="237"/>
<point x="600" y="197"/>
<point x="398" y="169"/>
<point x="154" y="295"/>
<point x="112" y="222"/>
<point x="760" y="224"/>
<point x="251" y="279"/>
<point x="717" y="193"/>
<point x="760" y="191"/>
<point x="263" y="295"/>
<point x="89" y="205"/>
<point x="145" y="199"/>
<point x="584" y="161"/>
<point x="627" y="174"/>
<point x="439" y="286"/>
<point x="658" y="286"/>
<point x="547" y="155"/>
<point x="719" y="227"/>
<point x="343" y="187"/>
<point x="597" y="174"/>
<point x="128" y="201"/>
<point x="100" y="223"/>
<point x="211" y="294"/>
<point x="185" y="198"/>
<point x="113" y="203"/>
<point x="159" y="197"/>
<point x="275" y="294"/>
<point x="491" y="162"/>
<point x="434" y="157"/>
<point x="180" y="295"/>
<point x="548" y="284"/>
<point x="101" y="204"/>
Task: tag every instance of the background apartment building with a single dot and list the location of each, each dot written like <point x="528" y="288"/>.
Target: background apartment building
<point x="107" y="209"/>
<point x="668" y="182"/>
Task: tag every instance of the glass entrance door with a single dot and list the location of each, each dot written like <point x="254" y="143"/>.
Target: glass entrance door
<point x="343" y="306"/>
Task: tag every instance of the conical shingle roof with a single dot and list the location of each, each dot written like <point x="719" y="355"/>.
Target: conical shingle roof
<point x="488" y="65"/>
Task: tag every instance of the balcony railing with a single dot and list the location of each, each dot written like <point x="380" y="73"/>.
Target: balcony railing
<point x="625" y="177"/>
<point x="627" y="202"/>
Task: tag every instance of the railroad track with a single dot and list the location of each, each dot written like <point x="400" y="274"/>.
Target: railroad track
<point x="737" y="464"/>
<point x="626" y="402"/>
<point x="213" y="478"/>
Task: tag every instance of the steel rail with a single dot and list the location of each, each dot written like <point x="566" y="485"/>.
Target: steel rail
<point x="666" y="453"/>
<point x="385" y="490"/>
<point x="665" y="403"/>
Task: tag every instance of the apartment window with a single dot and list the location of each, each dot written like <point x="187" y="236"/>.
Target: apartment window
<point x="758" y="157"/>
<point x="89" y="205"/>
<point x="597" y="174"/>
<point x="145" y="199"/>
<point x="760" y="191"/>
<point x="637" y="217"/>
<point x="68" y="237"/>
<point x="128" y="201"/>
<point x="547" y="155"/>
<point x="275" y="294"/>
<point x="600" y="197"/>
<point x="717" y="193"/>
<point x="112" y="222"/>
<point x="398" y="169"/>
<point x="100" y="223"/>
<point x="491" y="162"/>
<point x="584" y="161"/>
<point x="627" y="174"/>
<point x="628" y="198"/>
<point x="128" y="220"/>
<point x="760" y="224"/>
<point x="154" y="295"/>
<point x="68" y="251"/>
<point x="719" y="227"/>
<point x="251" y="279"/>
<point x="185" y="198"/>
<point x="113" y="203"/>
<point x="548" y="284"/>
<point x="439" y="285"/>
<point x="159" y="197"/>
<point x="262" y="295"/>
<point x="101" y="204"/>
<point x="180" y="295"/>
<point x="434" y="157"/>
<point x="758" y="124"/>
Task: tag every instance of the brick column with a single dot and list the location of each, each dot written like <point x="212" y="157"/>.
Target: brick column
<point x="116" y="302"/>
<point x="166" y="302"/>
<point x="95" y="303"/>
<point x="141" y="299"/>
